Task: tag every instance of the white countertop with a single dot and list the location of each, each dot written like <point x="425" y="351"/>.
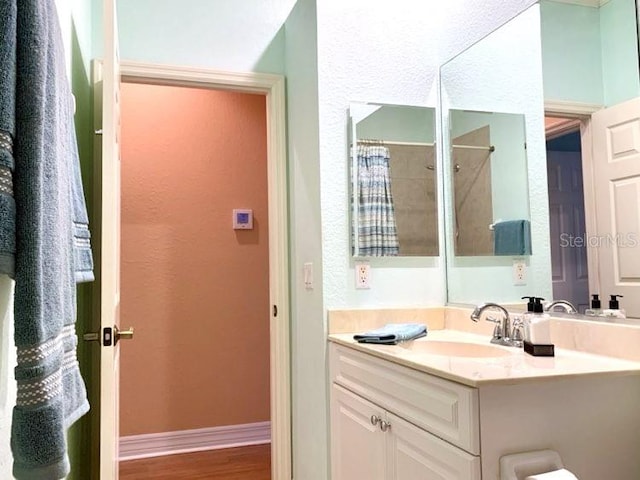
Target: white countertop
<point x="513" y="368"/>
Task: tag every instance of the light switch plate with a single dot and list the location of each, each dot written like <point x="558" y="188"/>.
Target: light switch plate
<point x="308" y="275"/>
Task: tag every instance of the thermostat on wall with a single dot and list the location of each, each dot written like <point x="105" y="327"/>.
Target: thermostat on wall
<point x="242" y="219"/>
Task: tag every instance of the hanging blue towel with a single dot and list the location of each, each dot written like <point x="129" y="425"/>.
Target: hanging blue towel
<point x="512" y="238"/>
<point x="44" y="236"/>
<point x="393" y="333"/>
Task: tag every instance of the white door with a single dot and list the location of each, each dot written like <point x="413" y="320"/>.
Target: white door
<point x="357" y="443"/>
<point x="616" y="167"/>
<point x="414" y="454"/>
<point x="567" y="227"/>
<point x="110" y="248"/>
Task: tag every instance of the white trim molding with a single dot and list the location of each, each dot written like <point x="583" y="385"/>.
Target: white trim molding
<point x="273" y="87"/>
<point x="570" y="109"/>
<point x="562" y="127"/>
<point x="198" y="440"/>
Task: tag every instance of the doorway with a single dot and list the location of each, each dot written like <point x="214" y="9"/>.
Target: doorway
<point x="568" y="240"/>
<point x="271" y="88"/>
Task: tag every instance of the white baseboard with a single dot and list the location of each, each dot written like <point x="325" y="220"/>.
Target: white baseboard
<point x="201" y="439"/>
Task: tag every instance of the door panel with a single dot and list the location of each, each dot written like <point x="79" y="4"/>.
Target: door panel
<point x="110" y="246"/>
<point x="567" y="228"/>
<point x="414" y="454"/>
<point x="357" y="446"/>
<point x="616" y="153"/>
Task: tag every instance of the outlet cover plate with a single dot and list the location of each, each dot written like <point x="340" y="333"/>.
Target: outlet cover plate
<point x="519" y="272"/>
<point x="363" y="276"/>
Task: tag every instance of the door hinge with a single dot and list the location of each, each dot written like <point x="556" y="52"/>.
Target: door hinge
<point x="91" y="337"/>
<point x="275" y="310"/>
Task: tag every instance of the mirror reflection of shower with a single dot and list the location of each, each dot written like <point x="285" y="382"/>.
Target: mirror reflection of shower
<point x="472" y="190"/>
<point x="407" y="137"/>
<point x="488" y="175"/>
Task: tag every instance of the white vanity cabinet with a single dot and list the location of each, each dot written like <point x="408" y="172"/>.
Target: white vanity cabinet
<point x="390" y="422"/>
<point x="436" y="427"/>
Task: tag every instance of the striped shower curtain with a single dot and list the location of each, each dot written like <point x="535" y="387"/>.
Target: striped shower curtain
<point x="377" y="233"/>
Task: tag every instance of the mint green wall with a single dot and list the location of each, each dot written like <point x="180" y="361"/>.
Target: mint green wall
<point x="509" y="181"/>
<point x="511" y="81"/>
<point x="619" y="51"/>
<point x="571" y="53"/>
<point x="308" y="330"/>
<point x="234" y="36"/>
<point x="399" y="123"/>
<point x="81" y="433"/>
<point x="590" y="55"/>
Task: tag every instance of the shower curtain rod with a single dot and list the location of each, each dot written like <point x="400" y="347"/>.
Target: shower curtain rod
<point x="366" y="141"/>
<point x="490" y="148"/>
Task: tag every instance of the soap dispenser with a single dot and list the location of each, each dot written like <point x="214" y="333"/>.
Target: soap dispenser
<point x="596" y="306"/>
<point x="537" y="329"/>
<point x="614" y="309"/>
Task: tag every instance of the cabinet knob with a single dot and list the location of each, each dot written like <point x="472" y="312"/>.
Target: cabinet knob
<point x="374" y="420"/>
<point x="384" y="426"/>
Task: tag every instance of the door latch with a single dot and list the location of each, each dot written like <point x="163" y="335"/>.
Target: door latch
<point x="108" y="336"/>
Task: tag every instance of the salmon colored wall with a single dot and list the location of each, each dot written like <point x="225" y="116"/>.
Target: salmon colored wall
<point x="195" y="290"/>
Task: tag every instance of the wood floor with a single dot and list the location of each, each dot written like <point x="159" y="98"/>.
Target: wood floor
<point x="242" y="463"/>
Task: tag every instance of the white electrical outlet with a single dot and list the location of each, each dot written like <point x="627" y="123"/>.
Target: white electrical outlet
<point x="362" y="275"/>
<point x="519" y="272"/>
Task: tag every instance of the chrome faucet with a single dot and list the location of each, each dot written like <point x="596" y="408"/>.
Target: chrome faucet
<point x="567" y="306"/>
<point x="502" y="333"/>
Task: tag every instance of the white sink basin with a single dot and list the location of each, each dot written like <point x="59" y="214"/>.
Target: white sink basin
<point x="457" y="349"/>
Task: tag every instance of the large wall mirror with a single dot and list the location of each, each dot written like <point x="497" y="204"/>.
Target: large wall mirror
<point x="572" y="71"/>
<point x="394" y="193"/>
<point x="493" y="90"/>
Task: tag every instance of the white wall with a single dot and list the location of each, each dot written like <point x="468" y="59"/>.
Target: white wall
<point x="464" y="22"/>
<point x="388" y="55"/>
<point x="490" y="77"/>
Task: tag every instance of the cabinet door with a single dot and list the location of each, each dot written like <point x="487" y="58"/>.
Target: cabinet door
<point x="357" y="446"/>
<point x="414" y="454"/>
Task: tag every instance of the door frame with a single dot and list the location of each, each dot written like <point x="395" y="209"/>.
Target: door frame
<point x="582" y="112"/>
<point x="273" y="87"/>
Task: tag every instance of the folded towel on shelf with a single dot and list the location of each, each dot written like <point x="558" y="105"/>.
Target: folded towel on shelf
<point x="393" y="333"/>
<point x="512" y="238"/>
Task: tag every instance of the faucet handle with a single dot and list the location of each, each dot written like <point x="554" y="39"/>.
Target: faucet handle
<point x="517" y="336"/>
<point x="489" y="318"/>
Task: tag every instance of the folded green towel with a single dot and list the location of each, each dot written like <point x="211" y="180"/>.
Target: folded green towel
<point x="512" y="238"/>
<point x="393" y="333"/>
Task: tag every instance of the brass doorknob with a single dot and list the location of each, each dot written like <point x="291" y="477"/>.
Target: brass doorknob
<point x="123" y="334"/>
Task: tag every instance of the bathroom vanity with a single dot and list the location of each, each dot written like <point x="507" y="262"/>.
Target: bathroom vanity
<point x="448" y="406"/>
